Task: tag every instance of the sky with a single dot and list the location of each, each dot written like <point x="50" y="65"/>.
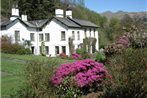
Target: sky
<point x="117" y="5"/>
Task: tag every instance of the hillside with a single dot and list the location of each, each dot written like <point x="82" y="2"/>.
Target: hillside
<point x="120" y="14"/>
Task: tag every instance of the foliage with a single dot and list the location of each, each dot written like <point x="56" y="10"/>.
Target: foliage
<point x="76" y="56"/>
<point x="37" y="9"/>
<point x="37" y="85"/>
<point x="88" y="43"/>
<point x="8" y="47"/>
<point x="79" y="51"/>
<point x="84" y="54"/>
<point x="124" y="40"/>
<point x="135" y="30"/>
<point x="139" y="43"/>
<point x="129" y="74"/>
<point x="87" y="75"/>
<point x="42" y="51"/>
<point x="114" y="49"/>
<point x="117" y="47"/>
<point x="71" y="46"/>
<point x="13" y="78"/>
<point x="100" y="57"/>
<point x="63" y="55"/>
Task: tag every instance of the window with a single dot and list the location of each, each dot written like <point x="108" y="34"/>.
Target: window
<point x="90" y="32"/>
<point x="32" y="49"/>
<point x="78" y="33"/>
<point x="47" y="37"/>
<point x="40" y="37"/>
<point x="63" y="35"/>
<point x="73" y="35"/>
<point x="64" y="49"/>
<point x="85" y="32"/>
<point x="94" y="32"/>
<point x="17" y="36"/>
<point x="46" y="49"/>
<point x="32" y="37"/>
<point x="56" y="49"/>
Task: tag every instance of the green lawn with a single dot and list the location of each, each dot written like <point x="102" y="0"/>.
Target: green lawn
<point x="12" y="67"/>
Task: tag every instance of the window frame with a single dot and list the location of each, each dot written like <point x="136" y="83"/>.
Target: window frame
<point x="73" y="35"/>
<point x="47" y="37"/>
<point x="32" y="37"/>
<point x="58" y="50"/>
<point x="41" y="39"/>
<point x="17" y="38"/>
<point x="64" y="49"/>
<point x="78" y="35"/>
<point x="47" y="50"/>
<point x="63" y="36"/>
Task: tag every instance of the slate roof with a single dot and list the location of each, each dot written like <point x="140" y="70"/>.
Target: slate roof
<point x="37" y="23"/>
<point x="84" y="23"/>
<point x="67" y="22"/>
<point x="70" y="22"/>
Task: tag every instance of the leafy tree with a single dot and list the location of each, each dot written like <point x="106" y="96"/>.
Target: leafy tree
<point x="37" y="9"/>
<point x="135" y="29"/>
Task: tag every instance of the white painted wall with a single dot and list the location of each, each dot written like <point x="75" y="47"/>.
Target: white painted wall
<point x="54" y="28"/>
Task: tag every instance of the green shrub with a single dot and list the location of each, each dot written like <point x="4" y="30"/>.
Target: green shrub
<point x="129" y="74"/>
<point x="37" y="84"/>
<point x="79" y="51"/>
<point x="100" y="56"/>
<point x="8" y="47"/>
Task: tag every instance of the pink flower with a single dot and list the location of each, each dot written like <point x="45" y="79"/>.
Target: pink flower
<point x="85" y="72"/>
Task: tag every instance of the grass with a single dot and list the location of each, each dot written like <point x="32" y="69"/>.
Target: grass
<point x="12" y="67"/>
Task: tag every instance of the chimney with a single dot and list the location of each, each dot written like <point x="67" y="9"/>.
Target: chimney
<point x="24" y="17"/>
<point x="69" y="13"/>
<point x="59" y="13"/>
<point x="14" y="13"/>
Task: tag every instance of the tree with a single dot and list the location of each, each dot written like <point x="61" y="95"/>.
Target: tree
<point x="134" y="29"/>
<point x="37" y="9"/>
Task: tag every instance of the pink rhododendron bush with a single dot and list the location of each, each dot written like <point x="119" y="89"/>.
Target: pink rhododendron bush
<point x="76" y="56"/>
<point x="83" y="74"/>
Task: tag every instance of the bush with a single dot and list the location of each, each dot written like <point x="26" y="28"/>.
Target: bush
<point x="37" y="85"/>
<point x="79" y="51"/>
<point x="117" y="47"/>
<point x="63" y="55"/>
<point x="100" y="56"/>
<point x="123" y="40"/>
<point x="114" y="49"/>
<point x="129" y="74"/>
<point x="76" y="56"/>
<point x="8" y="47"/>
<point x="139" y="43"/>
<point x="82" y="77"/>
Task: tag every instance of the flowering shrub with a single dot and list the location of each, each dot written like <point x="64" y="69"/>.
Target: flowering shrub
<point x="76" y="56"/>
<point x="63" y="55"/>
<point x="124" y="40"/>
<point x="117" y="47"/>
<point x="85" y="73"/>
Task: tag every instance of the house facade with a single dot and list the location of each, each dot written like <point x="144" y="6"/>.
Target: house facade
<point x="54" y="32"/>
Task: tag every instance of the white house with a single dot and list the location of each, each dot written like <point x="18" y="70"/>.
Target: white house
<point x="54" y="32"/>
